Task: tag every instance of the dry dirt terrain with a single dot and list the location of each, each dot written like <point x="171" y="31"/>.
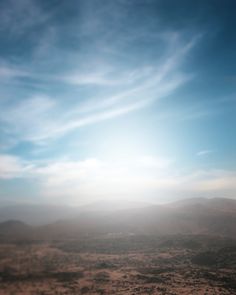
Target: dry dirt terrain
<point x="119" y="264"/>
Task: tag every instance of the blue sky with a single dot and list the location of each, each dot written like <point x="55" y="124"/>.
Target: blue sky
<point x="123" y="99"/>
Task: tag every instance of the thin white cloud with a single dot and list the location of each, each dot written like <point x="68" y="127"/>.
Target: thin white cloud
<point x="106" y="75"/>
<point x="91" y="179"/>
<point x="36" y="119"/>
<point x="11" y="167"/>
<point x="9" y="72"/>
<point x="28" y="117"/>
<point x="204" y="153"/>
<point x="140" y="177"/>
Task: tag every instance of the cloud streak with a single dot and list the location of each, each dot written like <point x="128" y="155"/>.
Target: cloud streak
<point x="204" y="153"/>
<point x="35" y="117"/>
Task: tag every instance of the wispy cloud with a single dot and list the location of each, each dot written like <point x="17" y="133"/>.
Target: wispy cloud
<point x="10" y="72"/>
<point x="99" y="77"/>
<point x="11" y="167"/>
<point x="106" y="75"/>
<point x="36" y="120"/>
<point x="204" y="152"/>
<point x="32" y="116"/>
<point x="91" y="178"/>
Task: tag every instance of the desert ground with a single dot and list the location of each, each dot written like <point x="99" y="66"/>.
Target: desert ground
<point x="119" y="264"/>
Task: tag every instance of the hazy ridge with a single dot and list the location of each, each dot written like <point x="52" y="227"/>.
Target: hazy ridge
<point x="192" y="216"/>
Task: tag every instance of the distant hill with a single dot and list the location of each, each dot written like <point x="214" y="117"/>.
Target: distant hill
<point x="36" y="214"/>
<point x="45" y="214"/>
<point x="194" y="216"/>
<point x="14" y="228"/>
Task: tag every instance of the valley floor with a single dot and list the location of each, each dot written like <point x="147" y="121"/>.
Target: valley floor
<point x="119" y="264"/>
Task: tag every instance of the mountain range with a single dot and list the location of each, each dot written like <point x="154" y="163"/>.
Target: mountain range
<point x="215" y="216"/>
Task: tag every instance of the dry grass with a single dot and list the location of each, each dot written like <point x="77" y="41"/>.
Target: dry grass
<point x="128" y="265"/>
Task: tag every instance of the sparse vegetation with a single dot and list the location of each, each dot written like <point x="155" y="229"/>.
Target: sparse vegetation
<point x="120" y="265"/>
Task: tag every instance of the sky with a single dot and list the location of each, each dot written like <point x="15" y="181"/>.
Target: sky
<point x="124" y="99"/>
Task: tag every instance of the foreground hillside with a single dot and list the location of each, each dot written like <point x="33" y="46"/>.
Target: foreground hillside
<point x="186" y="247"/>
<point x="120" y="264"/>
